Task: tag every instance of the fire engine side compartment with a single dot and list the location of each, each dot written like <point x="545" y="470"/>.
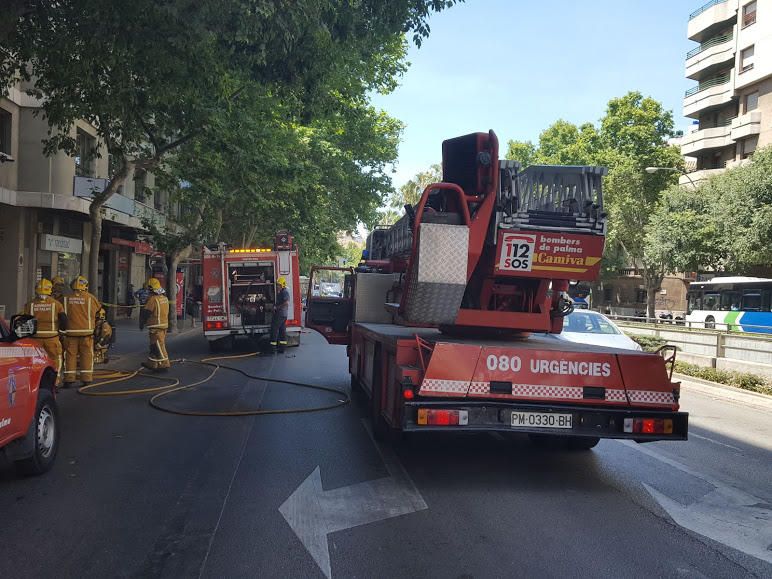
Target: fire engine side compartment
<point x="384" y="360"/>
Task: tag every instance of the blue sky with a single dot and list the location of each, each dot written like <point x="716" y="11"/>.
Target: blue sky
<point x="516" y="66"/>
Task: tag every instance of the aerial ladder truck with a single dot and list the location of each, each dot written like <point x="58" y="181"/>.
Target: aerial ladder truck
<point x="452" y="319"/>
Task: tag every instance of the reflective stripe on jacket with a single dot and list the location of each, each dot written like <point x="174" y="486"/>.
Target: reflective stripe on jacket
<point x="158" y="306"/>
<point x="81" y="309"/>
<point x="46" y="311"/>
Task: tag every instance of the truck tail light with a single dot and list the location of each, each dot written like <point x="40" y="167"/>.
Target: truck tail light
<point x="431" y="417"/>
<point x="214" y="325"/>
<point x="649" y="425"/>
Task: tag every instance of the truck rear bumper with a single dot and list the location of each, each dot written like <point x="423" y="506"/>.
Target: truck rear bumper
<point x="585" y="421"/>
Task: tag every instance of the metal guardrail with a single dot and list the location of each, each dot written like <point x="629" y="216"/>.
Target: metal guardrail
<point x="718" y="327"/>
<point x="710" y="83"/>
<point x="716" y="40"/>
<point x="705" y="7"/>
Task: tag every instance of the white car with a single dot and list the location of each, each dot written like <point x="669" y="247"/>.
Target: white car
<point x="588" y="327"/>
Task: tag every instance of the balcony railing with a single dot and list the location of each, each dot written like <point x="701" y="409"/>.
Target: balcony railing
<point x="705" y="7"/>
<point x="710" y="83"/>
<point x="709" y="44"/>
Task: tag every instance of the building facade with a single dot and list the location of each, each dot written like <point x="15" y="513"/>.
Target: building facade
<point x="731" y="104"/>
<point x="44" y="211"/>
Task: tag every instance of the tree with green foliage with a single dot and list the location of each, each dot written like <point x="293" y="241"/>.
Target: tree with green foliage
<point x="524" y="152"/>
<point x="682" y="235"/>
<point x="152" y="75"/>
<point x="740" y="208"/>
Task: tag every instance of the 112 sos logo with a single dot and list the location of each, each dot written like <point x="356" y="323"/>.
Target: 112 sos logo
<point x="516" y="251"/>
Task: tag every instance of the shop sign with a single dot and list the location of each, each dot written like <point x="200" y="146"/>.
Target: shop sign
<point x="61" y="244"/>
<point x="143" y="248"/>
<point x="140" y="247"/>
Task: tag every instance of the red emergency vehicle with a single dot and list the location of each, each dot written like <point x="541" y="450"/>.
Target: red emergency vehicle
<point x="29" y="421"/>
<point x="240" y="289"/>
<point x="451" y="319"/>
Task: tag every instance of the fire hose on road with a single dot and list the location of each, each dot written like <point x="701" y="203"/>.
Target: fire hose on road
<point x="173" y="385"/>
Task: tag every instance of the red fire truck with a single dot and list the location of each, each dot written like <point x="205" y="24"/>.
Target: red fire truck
<point x="240" y="288"/>
<point x="451" y="320"/>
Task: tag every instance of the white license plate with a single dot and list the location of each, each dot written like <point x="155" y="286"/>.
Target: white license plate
<point x="541" y="420"/>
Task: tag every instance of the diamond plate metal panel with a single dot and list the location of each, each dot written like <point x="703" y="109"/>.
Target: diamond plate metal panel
<point x="437" y="278"/>
<point x="443" y="253"/>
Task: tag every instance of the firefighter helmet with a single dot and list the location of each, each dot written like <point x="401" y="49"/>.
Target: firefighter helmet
<point x="282" y="281"/>
<point x="80" y="283"/>
<point x="153" y="284"/>
<point x="101" y="314"/>
<point x="58" y="280"/>
<point x="44" y="287"/>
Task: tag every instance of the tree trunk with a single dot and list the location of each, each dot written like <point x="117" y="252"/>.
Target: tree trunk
<point x="175" y="257"/>
<point x="95" y="211"/>
<point x="653" y="281"/>
<point x="171" y="289"/>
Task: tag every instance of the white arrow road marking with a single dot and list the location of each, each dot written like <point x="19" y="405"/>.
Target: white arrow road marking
<point x="726" y="514"/>
<point x="313" y="512"/>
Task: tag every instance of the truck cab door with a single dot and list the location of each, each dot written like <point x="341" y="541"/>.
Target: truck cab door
<point x="329" y="302"/>
<point x="14" y="385"/>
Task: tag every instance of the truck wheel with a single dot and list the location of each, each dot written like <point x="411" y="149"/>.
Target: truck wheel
<point x="43" y="435"/>
<point x="558" y="442"/>
<point x="582" y="442"/>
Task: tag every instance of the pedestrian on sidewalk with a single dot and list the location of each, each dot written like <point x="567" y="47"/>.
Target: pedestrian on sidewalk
<point x="81" y="309"/>
<point x="280" y="313"/>
<point x="51" y="319"/>
<point x="155" y="315"/>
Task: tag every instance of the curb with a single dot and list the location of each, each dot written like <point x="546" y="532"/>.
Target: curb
<point x="718" y="386"/>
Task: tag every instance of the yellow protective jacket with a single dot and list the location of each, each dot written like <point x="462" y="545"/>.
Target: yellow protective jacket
<point x="155" y="313"/>
<point x="50" y="316"/>
<point x="81" y="308"/>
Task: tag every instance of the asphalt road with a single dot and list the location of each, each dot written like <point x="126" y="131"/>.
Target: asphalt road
<point x="141" y="493"/>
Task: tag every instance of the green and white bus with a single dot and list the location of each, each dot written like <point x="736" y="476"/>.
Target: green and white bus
<point x="737" y="304"/>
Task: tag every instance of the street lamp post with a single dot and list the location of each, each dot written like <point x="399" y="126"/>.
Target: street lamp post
<point x="652" y="170"/>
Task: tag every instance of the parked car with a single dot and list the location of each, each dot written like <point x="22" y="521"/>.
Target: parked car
<point x="588" y="327"/>
<point x="29" y="419"/>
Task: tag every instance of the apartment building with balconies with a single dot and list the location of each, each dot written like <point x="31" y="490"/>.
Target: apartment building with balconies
<point x="732" y="100"/>
<point x="45" y="229"/>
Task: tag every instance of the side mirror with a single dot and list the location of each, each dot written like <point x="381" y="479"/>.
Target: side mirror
<point x="23" y="326"/>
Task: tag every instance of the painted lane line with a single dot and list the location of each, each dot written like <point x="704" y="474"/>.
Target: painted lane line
<point x="715" y="441"/>
<point x="726" y="514"/>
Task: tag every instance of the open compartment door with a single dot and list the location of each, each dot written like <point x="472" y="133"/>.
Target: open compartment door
<point x="329" y="303"/>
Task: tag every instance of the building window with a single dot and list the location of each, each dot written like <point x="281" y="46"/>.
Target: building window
<point x="749" y="13"/>
<point x="746" y="59"/>
<point x="140" y="186"/>
<point x="640" y="296"/>
<point x="751" y="101"/>
<point x="6" y="123"/>
<point x="157" y="201"/>
<point x="747" y="147"/>
<point x="85" y="154"/>
<point x="607" y="294"/>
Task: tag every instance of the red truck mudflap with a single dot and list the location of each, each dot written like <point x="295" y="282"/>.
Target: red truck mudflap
<point x="601" y="392"/>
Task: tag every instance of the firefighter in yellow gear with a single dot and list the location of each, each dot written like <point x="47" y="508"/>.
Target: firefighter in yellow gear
<point x="81" y="308"/>
<point x="280" y="314"/>
<point x="103" y="338"/>
<point x="155" y="316"/>
<point x="51" y="320"/>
